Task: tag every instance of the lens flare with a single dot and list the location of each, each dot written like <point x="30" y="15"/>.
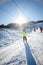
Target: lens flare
<point x="20" y="19"/>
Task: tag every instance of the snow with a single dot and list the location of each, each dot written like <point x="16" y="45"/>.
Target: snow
<point x="13" y="53"/>
<point x="36" y="46"/>
<point x="12" y="49"/>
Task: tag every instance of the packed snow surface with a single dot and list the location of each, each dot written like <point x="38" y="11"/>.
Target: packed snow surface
<point x="12" y="49"/>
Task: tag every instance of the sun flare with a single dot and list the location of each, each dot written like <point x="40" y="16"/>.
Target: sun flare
<point x="20" y="19"/>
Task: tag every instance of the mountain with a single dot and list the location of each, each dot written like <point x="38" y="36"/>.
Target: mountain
<point x="38" y="23"/>
<point x="11" y="25"/>
<point x="30" y="24"/>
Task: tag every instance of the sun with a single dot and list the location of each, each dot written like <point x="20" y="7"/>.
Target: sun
<point x="20" y="19"/>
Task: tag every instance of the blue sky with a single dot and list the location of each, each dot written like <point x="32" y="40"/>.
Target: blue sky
<point x="32" y="9"/>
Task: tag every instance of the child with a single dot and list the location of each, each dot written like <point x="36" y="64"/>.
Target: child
<point x="24" y="36"/>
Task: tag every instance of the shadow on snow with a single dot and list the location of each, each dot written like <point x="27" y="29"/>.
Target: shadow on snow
<point x="30" y="59"/>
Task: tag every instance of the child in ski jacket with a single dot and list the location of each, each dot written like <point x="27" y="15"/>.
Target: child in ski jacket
<point x="24" y="35"/>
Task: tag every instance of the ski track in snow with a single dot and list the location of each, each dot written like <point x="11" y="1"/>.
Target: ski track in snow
<point x="12" y="50"/>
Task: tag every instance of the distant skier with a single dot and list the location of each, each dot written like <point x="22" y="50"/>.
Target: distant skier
<point x="34" y="29"/>
<point x="24" y="36"/>
<point x="41" y="29"/>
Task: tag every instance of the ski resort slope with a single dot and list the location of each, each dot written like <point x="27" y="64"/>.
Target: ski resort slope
<point x="13" y="55"/>
<point x="12" y="49"/>
<point x="36" y="46"/>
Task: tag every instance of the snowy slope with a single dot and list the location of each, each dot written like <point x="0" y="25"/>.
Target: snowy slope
<point x="12" y="50"/>
<point x="36" y="45"/>
<point x="13" y="55"/>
